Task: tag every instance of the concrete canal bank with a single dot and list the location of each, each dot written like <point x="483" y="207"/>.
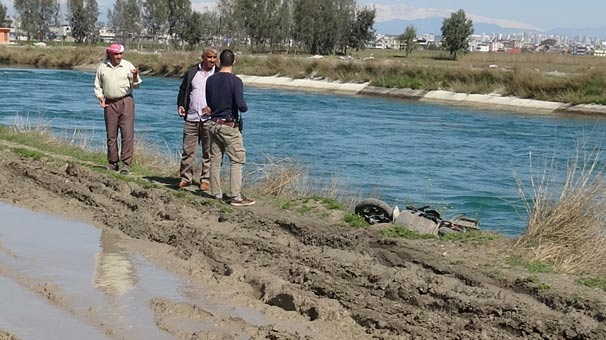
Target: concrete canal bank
<point x="491" y="101"/>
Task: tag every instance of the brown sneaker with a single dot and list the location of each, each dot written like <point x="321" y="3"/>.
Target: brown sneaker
<point x="241" y="202"/>
<point x="184" y="184"/>
<point x="204" y="186"/>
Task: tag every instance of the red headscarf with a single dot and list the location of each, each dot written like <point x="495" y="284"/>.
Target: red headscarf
<point x="115" y="48"/>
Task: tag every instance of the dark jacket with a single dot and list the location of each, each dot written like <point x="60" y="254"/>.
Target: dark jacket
<point x="185" y="88"/>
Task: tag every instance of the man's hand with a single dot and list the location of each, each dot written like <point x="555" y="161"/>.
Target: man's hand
<point x="206" y="111"/>
<point x="181" y="111"/>
<point x="102" y="102"/>
<point x="135" y="72"/>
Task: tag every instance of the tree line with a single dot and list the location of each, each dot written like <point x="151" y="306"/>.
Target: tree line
<point x="3" y="16"/>
<point x="312" y="26"/>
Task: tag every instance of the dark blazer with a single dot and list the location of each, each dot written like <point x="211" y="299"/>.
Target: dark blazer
<point x="185" y="88"/>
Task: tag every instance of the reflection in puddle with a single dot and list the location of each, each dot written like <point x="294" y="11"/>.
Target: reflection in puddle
<point x="27" y="316"/>
<point x="114" y="272"/>
<point x="98" y="285"/>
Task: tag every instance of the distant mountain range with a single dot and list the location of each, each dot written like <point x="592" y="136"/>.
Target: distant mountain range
<point x="434" y="24"/>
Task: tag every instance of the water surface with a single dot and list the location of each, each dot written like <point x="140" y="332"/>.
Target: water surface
<point x="101" y="289"/>
<point x="457" y="159"/>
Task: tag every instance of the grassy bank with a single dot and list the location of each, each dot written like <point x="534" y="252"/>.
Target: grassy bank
<point x="564" y="234"/>
<point x="551" y="77"/>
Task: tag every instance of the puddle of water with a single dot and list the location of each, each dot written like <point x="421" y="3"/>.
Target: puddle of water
<point x="96" y="279"/>
<point x="103" y="284"/>
<point x="27" y="316"/>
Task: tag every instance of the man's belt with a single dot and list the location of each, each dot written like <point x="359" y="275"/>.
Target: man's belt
<point x="113" y="100"/>
<point x="226" y="122"/>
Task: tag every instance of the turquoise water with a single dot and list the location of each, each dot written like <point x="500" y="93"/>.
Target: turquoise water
<point x="456" y="159"/>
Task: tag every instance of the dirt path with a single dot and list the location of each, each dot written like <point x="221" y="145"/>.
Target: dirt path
<point x="320" y="277"/>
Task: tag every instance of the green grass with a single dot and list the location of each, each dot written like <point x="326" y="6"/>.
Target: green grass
<point x="289" y="204"/>
<point x="397" y="231"/>
<point x="541" y="286"/>
<point x="531" y="266"/>
<point x="329" y="203"/>
<point x="305" y="204"/>
<point x="496" y="274"/>
<point x="575" y="301"/>
<point x="26" y="153"/>
<point x="304" y="209"/>
<point x="355" y="220"/>
<point x="42" y="140"/>
<point x="593" y="282"/>
<point x="474" y="236"/>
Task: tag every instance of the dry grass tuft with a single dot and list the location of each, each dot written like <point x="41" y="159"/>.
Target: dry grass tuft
<point x="278" y="177"/>
<point x="287" y="178"/>
<point x="149" y="156"/>
<point x="566" y="218"/>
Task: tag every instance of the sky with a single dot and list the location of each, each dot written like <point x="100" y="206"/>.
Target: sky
<point x="525" y="14"/>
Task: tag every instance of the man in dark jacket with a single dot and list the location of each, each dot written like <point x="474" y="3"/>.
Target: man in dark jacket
<point x="192" y="107"/>
<point x="225" y="97"/>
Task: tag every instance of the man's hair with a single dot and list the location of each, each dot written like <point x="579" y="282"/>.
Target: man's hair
<point x="227" y="58"/>
<point x="209" y="49"/>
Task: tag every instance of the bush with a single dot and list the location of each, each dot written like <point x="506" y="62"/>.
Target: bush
<point x="566" y="216"/>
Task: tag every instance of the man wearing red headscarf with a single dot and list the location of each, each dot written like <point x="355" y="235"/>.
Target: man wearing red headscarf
<point x="114" y="83"/>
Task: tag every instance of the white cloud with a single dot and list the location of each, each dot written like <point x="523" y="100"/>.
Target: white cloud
<point x="503" y="22"/>
<point x="406" y="12"/>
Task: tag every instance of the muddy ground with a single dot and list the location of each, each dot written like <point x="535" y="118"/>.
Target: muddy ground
<point x="306" y="266"/>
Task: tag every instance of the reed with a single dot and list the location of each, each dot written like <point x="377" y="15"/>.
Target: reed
<point x="566" y="216"/>
<point x="289" y="178"/>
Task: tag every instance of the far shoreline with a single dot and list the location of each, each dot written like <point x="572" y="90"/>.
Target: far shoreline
<point x="441" y="97"/>
<point x="489" y="101"/>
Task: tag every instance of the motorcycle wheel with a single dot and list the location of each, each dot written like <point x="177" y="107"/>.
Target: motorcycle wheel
<point x="374" y="211"/>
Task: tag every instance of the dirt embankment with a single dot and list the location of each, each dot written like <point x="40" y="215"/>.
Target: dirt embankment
<point x="336" y="282"/>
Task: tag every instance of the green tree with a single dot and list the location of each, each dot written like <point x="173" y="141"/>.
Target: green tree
<point x="315" y="25"/>
<point x="252" y="14"/>
<point x="282" y="26"/>
<point x="155" y="17"/>
<point x="3" y="18"/>
<point x="179" y="12"/>
<point x="276" y="23"/>
<point x="229" y="26"/>
<point x="37" y="16"/>
<point x="82" y="16"/>
<point x="201" y="28"/>
<point x="549" y="42"/>
<point x="193" y="29"/>
<point x="125" y="18"/>
<point x="408" y="39"/>
<point x="343" y="15"/>
<point x="361" y="31"/>
<point x="455" y="32"/>
<point x="263" y="22"/>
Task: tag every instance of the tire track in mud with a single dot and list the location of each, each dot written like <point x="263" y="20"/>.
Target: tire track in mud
<point x="390" y="291"/>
